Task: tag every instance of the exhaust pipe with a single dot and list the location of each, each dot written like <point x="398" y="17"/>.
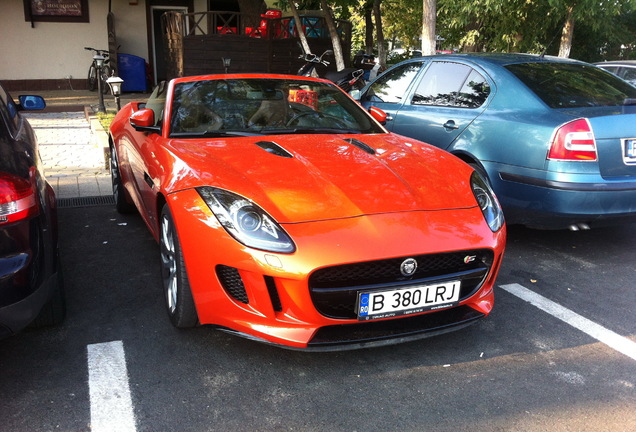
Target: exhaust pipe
<point x="581" y="226"/>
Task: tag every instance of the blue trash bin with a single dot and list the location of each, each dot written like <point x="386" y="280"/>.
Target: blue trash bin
<point x="132" y="69"/>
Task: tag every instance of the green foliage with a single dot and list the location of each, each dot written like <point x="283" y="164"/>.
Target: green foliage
<point x="535" y="26"/>
<point x="395" y="58"/>
<point x="603" y="29"/>
<point x="614" y="41"/>
<point x="105" y="119"/>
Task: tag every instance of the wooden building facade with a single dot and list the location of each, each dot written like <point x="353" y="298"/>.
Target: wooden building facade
<point x="198" y="43"/>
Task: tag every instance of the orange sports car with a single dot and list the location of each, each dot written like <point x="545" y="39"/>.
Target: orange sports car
<point x="287" y="214"/>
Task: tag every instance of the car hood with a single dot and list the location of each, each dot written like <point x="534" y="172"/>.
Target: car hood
<point x="300" y="178"/>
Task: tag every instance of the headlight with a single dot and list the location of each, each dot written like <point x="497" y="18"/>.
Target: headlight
<point x="246" y="222"/>
<point x="487" y="202"/>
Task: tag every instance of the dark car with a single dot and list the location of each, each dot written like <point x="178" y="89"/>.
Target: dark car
<point x="556" y="138"/>
<point x="30" y="280"/>
<point x="625" y="69"/>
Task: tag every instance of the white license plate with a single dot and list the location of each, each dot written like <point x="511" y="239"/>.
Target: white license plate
<point x="407" y="301"/>
<point x="629" y="150"/>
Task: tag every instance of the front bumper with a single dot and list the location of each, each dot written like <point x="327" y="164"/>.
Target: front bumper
<point x="267" y="296"/>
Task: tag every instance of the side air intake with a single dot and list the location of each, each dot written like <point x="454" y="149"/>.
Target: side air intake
<point x="232" y="283"/>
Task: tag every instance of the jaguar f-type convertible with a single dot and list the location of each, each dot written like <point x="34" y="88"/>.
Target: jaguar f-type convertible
<point x="287" y="214"/>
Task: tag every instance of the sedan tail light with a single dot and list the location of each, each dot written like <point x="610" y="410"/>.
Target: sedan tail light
<point x="17" y="199"/>
<point x="574" y="141"/>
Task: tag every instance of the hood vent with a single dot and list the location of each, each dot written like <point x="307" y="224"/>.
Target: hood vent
<point x="362" y="146"/>
<point x="273" y="148"/>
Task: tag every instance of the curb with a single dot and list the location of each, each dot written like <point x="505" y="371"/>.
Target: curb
<point x="100" y="134"/>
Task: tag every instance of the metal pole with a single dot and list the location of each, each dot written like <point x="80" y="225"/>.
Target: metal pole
<point x="101" y="107"/>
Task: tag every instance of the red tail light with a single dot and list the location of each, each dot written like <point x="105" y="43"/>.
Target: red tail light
<point x="574" y="141"/>
<point x="17" y="199"/>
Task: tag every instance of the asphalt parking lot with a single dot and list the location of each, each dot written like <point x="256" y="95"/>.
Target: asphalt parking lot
<point x="565" y="362"/>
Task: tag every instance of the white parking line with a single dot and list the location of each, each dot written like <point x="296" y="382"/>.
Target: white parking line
<point x="111" y="404"/>
<point x="598" y="332"/>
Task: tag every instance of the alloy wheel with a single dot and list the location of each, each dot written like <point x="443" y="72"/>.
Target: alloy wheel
<point x="169" y="264"/>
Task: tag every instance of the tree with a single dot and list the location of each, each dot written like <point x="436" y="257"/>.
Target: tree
<point x="493" y="25"/>
<point x="568" y="33"/>
<point x="511" y="26"/>
<point x="333" y="33"/>
<point x="379" y="31"/>
<point x="596" y="12"/>
<point x="615" y="40"/>
<point x="299" y="28"/>
<point x="329" y="20"/>
<point x="368" y="26"/>
<point x="429" y="17"/>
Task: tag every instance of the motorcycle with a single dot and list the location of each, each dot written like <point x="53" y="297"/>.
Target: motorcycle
<point x="347" y="79"/>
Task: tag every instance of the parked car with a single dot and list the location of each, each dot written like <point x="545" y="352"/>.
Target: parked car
<point x="286" y="214"/>
<point x="625" y="69"/>
<point x="30" y="278"/>
<point x="555" y="138"/>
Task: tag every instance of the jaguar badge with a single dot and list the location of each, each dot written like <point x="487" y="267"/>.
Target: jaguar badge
<point x="408" y="267"/>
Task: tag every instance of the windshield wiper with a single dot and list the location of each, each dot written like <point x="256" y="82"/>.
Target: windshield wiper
<point x="308" y="131"/>
<point x="214" y="134"/>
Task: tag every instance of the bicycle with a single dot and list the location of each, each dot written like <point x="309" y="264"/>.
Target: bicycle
<point x="92" y="70"/>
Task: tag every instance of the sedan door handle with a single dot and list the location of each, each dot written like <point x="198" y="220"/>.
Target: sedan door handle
<point x="389" y="118"/>
<point x="450" y="125"/>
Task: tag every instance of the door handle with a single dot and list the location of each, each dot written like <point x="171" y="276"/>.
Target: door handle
<point x="389" y="118"/>
<point x="450" y="125"/>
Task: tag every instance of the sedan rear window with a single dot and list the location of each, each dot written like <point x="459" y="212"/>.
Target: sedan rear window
<point x="565" y="85"/>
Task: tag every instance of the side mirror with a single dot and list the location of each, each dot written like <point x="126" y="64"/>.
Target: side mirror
<point x="31" y="103"/>
<point x="378" y="114"/>
<point x="355" y="94"/>
<point x="144" y="121"/>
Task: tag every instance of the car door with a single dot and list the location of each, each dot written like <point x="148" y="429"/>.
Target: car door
<point x="445" y="99"/>
<point x="388" y="92"/>
<point x="139" y="145"/>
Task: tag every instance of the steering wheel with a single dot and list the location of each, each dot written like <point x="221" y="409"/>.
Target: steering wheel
<point x="338" y="122"/>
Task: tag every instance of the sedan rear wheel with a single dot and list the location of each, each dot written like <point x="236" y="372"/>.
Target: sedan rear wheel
<point x="179" y="302"/>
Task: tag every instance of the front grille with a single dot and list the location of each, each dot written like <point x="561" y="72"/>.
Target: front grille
<point x="334" y="290"/>
<point x="232" y="283"/>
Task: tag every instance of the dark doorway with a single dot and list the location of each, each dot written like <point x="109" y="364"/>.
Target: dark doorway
<point x="229" y="21"/>
<point x="224" y="5"/>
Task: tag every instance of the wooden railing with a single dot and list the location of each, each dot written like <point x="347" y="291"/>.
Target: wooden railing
<point x="236" y="23"/>
<point x="195" y="43"/>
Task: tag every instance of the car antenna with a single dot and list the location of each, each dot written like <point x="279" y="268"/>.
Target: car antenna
<point x="549" y="45"/>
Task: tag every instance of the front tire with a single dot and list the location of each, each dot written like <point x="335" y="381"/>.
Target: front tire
<point x="176" y="287"/>
<point x="119" y="192"/>
<point x="482" y="172"/>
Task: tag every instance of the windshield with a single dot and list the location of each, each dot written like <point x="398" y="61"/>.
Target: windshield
<point x="570" y="85"/>
<point x="252" y="106"/>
